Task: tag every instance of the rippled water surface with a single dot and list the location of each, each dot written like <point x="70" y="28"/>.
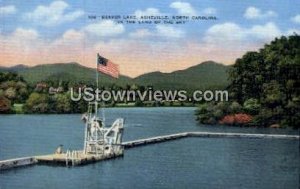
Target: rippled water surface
<point x="183" y="163"/>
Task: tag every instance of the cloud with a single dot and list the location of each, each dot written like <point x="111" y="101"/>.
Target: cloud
<point x="223" y="34"/>
<point x="265" y="32"/>
<point x="183" y="8"/>
<point x="223" y="43"/>
<point x="209" y="11"/>
<point x="54" y="14"/>
<point x="21" y="38"/>
<point x="255" y="13"/>
<point x="26" y="46"/>
<point x="16" y="46"/>
<point x="105" y="28"/>
<point x="72" y="34"/>
<point x="231" y="35"/>
<point x="70" y="37"/>
<point x="160" y="31"/>
<point x="10" y="9"/>
<point x="292" y="31"/>
<point x="140" y="33"/>
<point x="296" y="19"/>
<point x="148" y="12"/>
<point x="169" y="31"/>
<point x="25" y="34"/>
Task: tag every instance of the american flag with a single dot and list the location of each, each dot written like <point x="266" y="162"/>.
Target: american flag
<point x="106" y="66"/>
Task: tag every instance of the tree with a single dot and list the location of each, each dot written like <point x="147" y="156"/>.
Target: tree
<point x="5" y="105"/>
<point x="235" y="107"/>
<point x="267" y="83"/>
<point x="62" y="103"/>
<point x="37" y="103"/>
<point x="10" y="93"/>
<point x="251" y="106"/>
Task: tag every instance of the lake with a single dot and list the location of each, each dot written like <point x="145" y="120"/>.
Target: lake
<point x="183" y="163"/>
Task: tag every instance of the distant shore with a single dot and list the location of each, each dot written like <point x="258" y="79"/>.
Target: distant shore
<point x="18" y="108"/>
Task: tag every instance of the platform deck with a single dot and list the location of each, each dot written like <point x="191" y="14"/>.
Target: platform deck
<point x="79" y="158"/>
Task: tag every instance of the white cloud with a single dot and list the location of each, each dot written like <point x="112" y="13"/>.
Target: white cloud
<point x="71" y="46"/>
<point x="26" y="46"/>
<point x="231" y="35"/>
<point x="10" y="9"/>
<point x="140" y="33"/>
<point x="70" y="36"/>
<point x="183" y="8"/>
<point x="20" y="37"/>
<point x="25" y="34"/>
<point x="21" y="42"/>
<point x="160" y="31"/>
<point x="265" y="32"/>
<point x="296" y="19"/>
<point x="169" y="31"/>
<point x="292" y="31"/>
<point x="209" y="11"/>
<point x="255" y="13"/>
<point x="223" y="34"/>
<point x="148" y="12"/>
<point x="53" y="14"/>
<point x="105" y="28"/>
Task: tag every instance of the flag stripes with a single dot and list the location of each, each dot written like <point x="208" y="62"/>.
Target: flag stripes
<point x="107" y="67"/>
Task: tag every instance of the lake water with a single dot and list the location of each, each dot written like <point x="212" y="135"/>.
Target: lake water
<point x="184" y="163"/>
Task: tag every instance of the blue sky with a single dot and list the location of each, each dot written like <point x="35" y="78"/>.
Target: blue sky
<point x="39" y="32"/>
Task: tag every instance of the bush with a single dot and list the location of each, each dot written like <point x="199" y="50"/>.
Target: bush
<point x="235" y="107"/>
<point x="236" y="119"/>
<point x="251" y="106"/>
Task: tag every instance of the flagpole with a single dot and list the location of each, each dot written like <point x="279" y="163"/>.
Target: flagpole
<point x="97" y="86"/>
<point x="97" y="72"/>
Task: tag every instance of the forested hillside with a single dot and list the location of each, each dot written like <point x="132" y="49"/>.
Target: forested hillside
<point x="263" y="85"/>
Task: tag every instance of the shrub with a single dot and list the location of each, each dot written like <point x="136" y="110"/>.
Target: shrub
<point x="251" y="106"/>
<point x="236" y="119"/>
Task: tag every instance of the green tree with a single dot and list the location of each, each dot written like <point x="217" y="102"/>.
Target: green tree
<point x="251" y="106"/>
<point x="267" y="84"/>
<point x="10" y="93"/>
<point x="63" y="104"/>
<point x="235" y="107"/>
<point x="37" y="103"/>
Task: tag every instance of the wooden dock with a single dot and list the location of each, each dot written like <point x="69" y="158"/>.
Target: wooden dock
<point x="165" y="138"/>
<point x="17" y="162"/>
<point x="79" y="158"/>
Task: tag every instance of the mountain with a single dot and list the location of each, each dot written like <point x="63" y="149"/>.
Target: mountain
<point x="202" y="76"/>
<point x="72" y="72"/>
<point x="15" y="68"/>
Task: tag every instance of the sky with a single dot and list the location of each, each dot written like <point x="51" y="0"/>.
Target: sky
<point x="40" y="32"/>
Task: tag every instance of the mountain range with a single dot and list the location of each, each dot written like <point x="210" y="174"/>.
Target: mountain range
<point x="202" y="76"/>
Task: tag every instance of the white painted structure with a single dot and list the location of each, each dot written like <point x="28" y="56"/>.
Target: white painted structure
<point x="98" y="138"/>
